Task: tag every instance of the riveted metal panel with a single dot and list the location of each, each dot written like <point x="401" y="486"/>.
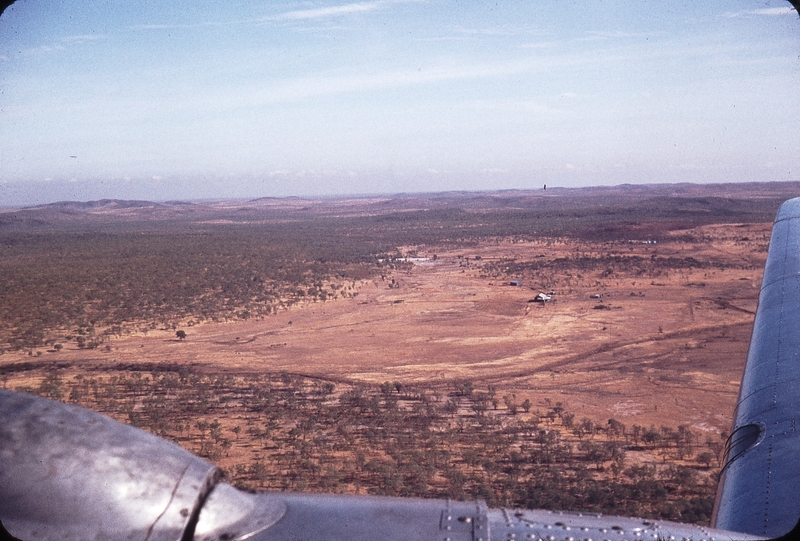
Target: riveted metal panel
<point x="365" y="518"/>
<point x="540" y="525"/>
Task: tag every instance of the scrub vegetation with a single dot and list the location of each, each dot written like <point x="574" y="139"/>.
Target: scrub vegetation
<point x="289" y="432"/>
<point x="84" y="286"/>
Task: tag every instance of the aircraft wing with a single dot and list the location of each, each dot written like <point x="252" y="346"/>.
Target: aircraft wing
<point x="759" y="490"/>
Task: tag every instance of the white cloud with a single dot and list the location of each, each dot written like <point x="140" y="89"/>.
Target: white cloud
<point x="296" y="15"/>
<point x="513" y="106"/>
<point x="773" y="11"/>
<point x="539" y="45"/>
<point x="309" y="87"/>
<point x="764" y="11"/>
<point x="158" y="26"/>
<point x="68" y="40"/>
<point x="44" y="49"/>
<point x="192" y="25"/>
<point x="620" y="34"/>
<point x="333" y="11"/>
<point x="83" y="38"/>
<point x="444" y="38"/>
<point x="500" y="30"/>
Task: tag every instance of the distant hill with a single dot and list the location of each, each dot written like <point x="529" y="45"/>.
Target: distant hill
<point x="108" y="203"/>
<point x="751" y="201"/>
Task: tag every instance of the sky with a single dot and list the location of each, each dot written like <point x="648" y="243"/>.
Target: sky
<point x="194" y="99"/>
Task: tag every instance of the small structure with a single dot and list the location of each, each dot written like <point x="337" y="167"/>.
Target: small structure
<point x="515" y="283"/>
<point x="541" y="297"/>
<point x="596" y="296"/>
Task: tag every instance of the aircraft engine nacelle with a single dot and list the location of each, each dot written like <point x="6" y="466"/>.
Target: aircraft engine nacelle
<point x="66" y="471"/>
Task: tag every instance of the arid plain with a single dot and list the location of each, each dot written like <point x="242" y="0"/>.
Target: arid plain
<point x="648" y="320"/>
<point x="652" y="348"/>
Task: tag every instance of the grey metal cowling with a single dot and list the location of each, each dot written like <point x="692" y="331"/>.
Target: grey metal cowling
<point x="67" y="473"/>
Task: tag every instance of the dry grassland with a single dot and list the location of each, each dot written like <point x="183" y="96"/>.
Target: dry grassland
<point x="667" y="345"/>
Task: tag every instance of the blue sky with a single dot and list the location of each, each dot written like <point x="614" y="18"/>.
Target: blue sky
<point x="193" y="99"/>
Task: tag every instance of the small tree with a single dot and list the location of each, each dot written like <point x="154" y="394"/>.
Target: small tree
<point x="181" y="334"/>
<point x="510" y="403"/>
<point x="705" y="458"/>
